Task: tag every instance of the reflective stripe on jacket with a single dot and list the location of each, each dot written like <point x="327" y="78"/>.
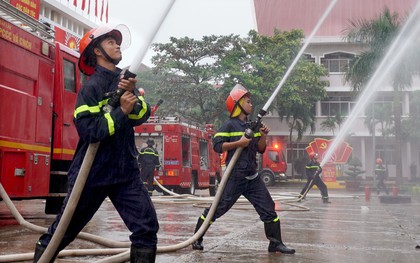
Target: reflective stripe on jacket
<point x="232" y="130"/>
<point x="115" y="160"/>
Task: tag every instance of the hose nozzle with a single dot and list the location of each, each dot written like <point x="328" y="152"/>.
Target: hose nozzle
<point x="114" y="101"/>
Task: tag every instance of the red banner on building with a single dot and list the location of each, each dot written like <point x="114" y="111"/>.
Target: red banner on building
<point x="66" y="38"/>
<point x="29" y="7"/>
<point x="340" y="155"/>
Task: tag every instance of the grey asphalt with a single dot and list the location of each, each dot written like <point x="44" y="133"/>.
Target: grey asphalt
<point x="350" y="229"/>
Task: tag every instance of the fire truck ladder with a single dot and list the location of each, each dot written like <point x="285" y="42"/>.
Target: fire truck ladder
<point x="24" y="21"/>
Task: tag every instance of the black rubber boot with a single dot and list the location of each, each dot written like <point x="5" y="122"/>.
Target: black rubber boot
<point x="325" y="200"/>
<point x="198" y="244"/>
<point x="39" y="250"/>
<point x="273" y="233"/>
<point x="142" y="255"/>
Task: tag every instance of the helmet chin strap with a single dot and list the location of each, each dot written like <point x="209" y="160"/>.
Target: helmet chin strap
<point x="113" y="61"/>
<point x="242" y="109"/>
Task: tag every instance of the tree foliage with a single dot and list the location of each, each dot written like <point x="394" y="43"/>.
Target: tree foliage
<point x="196" y="76"/>
<point x="190" y="71"/>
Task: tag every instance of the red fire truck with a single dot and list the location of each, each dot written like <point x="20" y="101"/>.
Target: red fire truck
<point x="39" y="81"/>
<point x="272" y="165"/>
<point x="186" y="154"/>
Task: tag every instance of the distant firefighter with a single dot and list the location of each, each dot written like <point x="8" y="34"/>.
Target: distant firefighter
<point x="313" y="176"/>
<point x="148" y="161"/>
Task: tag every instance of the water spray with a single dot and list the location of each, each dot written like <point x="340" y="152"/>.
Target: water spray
<point x="263" y="111"/>
<point x="408" y="33"/>
<point x="249" y="134"/>
<point x="93" y="148"/>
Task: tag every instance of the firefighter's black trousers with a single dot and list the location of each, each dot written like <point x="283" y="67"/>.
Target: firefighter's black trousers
<point x="381" y="185"/>
<point x="133" y="204"/>
<point x="147" y="175"/>
<point x="254" y="190"/>
<point x="315" y="180"/>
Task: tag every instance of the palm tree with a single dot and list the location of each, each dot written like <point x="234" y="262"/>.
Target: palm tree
<point x="329" y="124"/>
<point x="377" y="34"/>
<point x="299" y="118"/>
<point x="332" y="122"/>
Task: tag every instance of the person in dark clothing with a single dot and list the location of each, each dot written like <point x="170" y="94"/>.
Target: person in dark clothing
<point x="149" y="162"/>
<point x="380" y="173"/>
<point x="114" y="172"/>
<point x="244" y="179"/>
<point x="313" y="177"/>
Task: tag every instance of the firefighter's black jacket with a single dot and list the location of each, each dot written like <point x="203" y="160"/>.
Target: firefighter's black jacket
<point x="232" y="130"/>
<point x="115" y="160"/>
<point x="148" y="156"/>
<point x="312" y="167"/>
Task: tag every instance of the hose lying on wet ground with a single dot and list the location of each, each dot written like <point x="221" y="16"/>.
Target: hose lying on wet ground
<point x="125" y="255"/>
<point x="115" y="247"/>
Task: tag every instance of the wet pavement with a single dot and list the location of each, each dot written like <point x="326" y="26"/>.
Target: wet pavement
<point x="350" y="229"/>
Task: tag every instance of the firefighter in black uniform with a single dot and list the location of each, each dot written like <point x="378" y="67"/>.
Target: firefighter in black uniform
<point x="114" y="172"/>
<point x="148" y="161"/>
<point x="313" y="177"/>
<point x="380" y="173"/>
<point x="244" y="179"/>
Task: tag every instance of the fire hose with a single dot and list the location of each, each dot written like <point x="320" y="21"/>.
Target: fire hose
<point x="317" y="173"/>
<point x="92" y="149"/>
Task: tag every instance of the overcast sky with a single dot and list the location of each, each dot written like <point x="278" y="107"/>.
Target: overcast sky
<point x="192" y="18"/>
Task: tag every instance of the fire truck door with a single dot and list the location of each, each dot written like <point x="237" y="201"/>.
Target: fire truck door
<point x="70" y="89"/>
<point x="44" y="94"/>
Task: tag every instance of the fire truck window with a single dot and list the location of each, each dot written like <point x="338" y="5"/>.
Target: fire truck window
<point x="83" y="78"/>
<point x="204" y="155"/>
<point x="69" y="76"/>
<point x="274" y="156"/>
<point x="186" y="153"/>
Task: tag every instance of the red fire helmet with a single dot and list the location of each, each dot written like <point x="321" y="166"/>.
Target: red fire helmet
<point x="120" y="32"/>
<point x="235" y="95"/>
<point x="313" y="155"/>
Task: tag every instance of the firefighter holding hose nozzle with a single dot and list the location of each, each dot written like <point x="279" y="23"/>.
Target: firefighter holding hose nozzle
<point x="244" y="179"/>
<point x="114" y="172"/>
<point x="313" y="176"/>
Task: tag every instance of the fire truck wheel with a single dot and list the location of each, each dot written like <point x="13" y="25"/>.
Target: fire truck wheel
<point x="267" y="177"/>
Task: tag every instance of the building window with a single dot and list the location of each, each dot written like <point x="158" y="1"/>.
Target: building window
<point x="298" y="151"/>
<point x="382" y="102"/>
<point x="386" y="153"/>
<point x="342" y="105"/>
<point x="309" y="57"/>
<point x="55" y="17"/>
<point x="336" y="62"/>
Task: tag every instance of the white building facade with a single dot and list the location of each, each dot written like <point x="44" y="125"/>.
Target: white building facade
<point x="328" y="48"/>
